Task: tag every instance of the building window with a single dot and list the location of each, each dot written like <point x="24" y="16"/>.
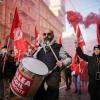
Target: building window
<point x="11" y="17"/>
<point x="29" y="9"/>
<point x="28" y="27"/>
<point x="21" y="2"/>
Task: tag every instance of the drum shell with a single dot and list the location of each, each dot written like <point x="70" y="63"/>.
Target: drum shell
<point x="35" y="81"/>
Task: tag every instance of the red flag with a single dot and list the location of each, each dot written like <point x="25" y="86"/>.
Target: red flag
<point x="74" y="18"/>
<point x="77" y="65"/>
<point x="81" y="44"/>
<point x="74" y="65"/>
<point x="17" y="35"/>
<point x="28" y="43"/>
<point x="74" y="58"/>
<point x="80" y="37"/>
<point x="15" y="24"/>
<point x="98" y="33"/>
<point x="36" y="38"/>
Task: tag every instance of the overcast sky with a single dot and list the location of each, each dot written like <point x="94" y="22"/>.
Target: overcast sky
<point x="84" y="7"/>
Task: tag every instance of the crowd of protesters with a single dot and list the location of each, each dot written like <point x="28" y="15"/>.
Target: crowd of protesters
<point x="75" y="72"/>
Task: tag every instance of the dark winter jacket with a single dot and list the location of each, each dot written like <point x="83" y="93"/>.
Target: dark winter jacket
<point x="93" y="65"/>
<point x="48" y="57"/>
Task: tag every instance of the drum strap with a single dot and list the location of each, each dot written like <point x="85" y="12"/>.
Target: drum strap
<point x="35" y="54"/>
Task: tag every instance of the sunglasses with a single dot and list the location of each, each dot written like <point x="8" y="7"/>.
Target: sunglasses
<point x="46" y="34"/>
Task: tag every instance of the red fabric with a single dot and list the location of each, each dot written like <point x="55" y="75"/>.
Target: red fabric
<point x="92" y="18"/>
<point x="82" y="65"/>
<point x="75" y="67"/>
<point x="74" y="18"/>
<point x="84" y="74"/>
<point x="81" y="44"/>
<point x="80" y="38"/>
<point x="98" y="33"/>
<point x="74" y="58"/>
<point x="58" y="40"/>
<point x="36" y="38"/>
<point x="16" y="23"/>
<point x="28" y="43"/>
<point x="17" y="35"/>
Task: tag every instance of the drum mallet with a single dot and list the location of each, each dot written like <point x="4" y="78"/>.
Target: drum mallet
<point x="53" y="53"/>
<point x="56" y="58"/>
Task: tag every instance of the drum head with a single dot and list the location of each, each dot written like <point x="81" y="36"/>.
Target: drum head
<point x="35" y="66"/>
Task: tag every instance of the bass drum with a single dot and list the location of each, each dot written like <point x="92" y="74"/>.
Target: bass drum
<point x="28" y="78"/>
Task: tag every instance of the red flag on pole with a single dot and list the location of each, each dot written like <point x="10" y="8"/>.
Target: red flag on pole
<point x="98" y="33"/>
<point x="74" y="58"/>
<point x="17" y="35"/>
<point x="36" y="38"/>
<point x="79" y="37"/>
<point x="81" y="42"/>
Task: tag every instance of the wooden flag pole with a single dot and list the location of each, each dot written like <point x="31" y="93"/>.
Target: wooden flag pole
<point x="5" y="55"/>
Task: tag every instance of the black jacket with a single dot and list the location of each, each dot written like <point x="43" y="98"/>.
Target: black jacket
<point x="93" y="64"/>
<point x="48" y="57"/>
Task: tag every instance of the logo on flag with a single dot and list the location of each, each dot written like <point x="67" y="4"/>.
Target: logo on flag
<point x="17" y="35"/>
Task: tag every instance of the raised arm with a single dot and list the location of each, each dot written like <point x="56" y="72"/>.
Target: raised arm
<point x="80" y="53"/>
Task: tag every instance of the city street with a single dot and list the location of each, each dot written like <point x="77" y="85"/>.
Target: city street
<point x="49" y="44"/>
<point x="70" y="95"/>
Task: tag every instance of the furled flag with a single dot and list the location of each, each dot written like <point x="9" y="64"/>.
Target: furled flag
<point x="79" y="37"/>
<point x="17" y="35"/>
<point x="98" y="33"/>
<point x="81" y="42"/>
<point x="36" y="38"/>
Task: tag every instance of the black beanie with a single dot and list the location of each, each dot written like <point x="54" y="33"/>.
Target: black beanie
<point x="97" y="46"/>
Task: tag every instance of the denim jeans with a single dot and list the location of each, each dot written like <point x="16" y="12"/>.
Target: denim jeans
<point x="77" y="82"/>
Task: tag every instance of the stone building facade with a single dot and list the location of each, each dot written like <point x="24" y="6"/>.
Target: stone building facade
<point x="32" y="13"/>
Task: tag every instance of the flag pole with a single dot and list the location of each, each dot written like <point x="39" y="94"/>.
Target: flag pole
<point x="5" y="56"/>
<point x="3" y="67"/>
<point x="75" y="32"/>
<point x="19" y="52"/>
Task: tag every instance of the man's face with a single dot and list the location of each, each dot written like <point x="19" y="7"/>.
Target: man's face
<point x="48" y="37"/>
<point x="96" y="51"/>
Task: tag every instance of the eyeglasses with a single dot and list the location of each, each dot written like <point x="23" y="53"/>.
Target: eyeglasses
<point x="46" y="34"/>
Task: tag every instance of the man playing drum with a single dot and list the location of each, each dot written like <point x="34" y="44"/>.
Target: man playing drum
<point x="52" y="54"/>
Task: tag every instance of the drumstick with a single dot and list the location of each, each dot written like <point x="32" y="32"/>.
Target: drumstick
<point x="56" y="59"/>
<point x="53" y="53"/>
